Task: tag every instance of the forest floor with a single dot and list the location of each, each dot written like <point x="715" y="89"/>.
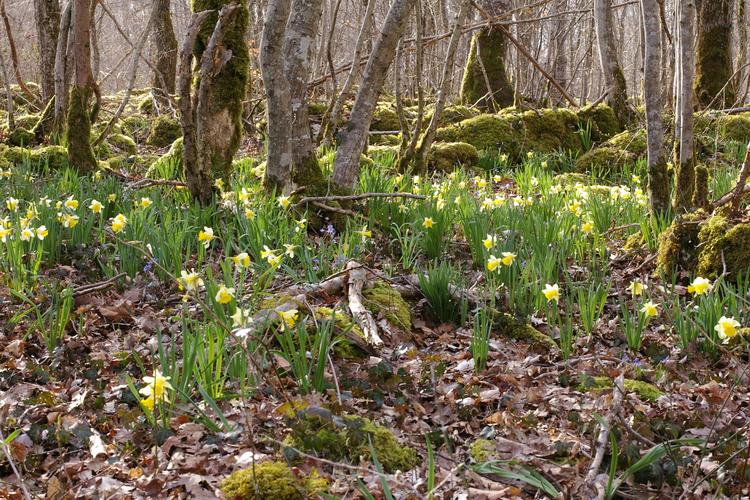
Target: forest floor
<point x="587" y="376"/>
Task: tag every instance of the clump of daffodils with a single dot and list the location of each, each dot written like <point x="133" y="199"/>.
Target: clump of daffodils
<point x="289" y="317"/>
<point x="118" y="223"/>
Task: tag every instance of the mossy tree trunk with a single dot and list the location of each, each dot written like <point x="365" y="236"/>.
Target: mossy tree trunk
<point x="353" y="136"/>
<point x="684" y="159"/>
<point x="62" y="74"/>
<point x="713" y="67"/>
<point x="485" y="82"/>
<point x="80" y="154"/>
<point x="658" y="178"/>
<point x="164" y="45"/>
<point x="47" y="16"/>
<point x="614" y="78"/>
<point x="220" y="118"/>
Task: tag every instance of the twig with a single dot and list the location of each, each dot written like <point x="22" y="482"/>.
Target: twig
<point x="95" y="287"/>
<point x="740" y="188"/>
<point x="337" y="210"/>
<point x="356" y="197"/>
<point x="12" y="463"/>
<point x="601" y="441"/>
<point x="360" y="314"/>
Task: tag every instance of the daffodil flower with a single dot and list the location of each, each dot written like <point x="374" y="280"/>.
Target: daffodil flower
<point x="700" y="286"/>
<point x="4" y="233"/>
<point x="206" y="236"/>
<point x="27" y="234"/>
<point x="41" y="232"/>
<point x="587" y="227"/>
<point x="493" y="263"/>
<point x="146" y="202"/>
<point x="249" y="214"/>
<point x="156" y="387"/>
<point x="283" y="201"/>
<point x="224" y="295"/>
<point x="364" y="233"/>
<point x="289" y="317"/>
<point x="489" y="241"/>
<point x="240" y="317"/>
<point x="241" y="260"/>
<point x="289" y="249"/>
<point x="649" y="309"/>
<point x="118" y="223"/>
<point x="726" y="328"/>
<point x="12" y="204"/>
<point x="96" y="206"/>
<point x="508" y="258"/>
<point x="71" y="203"/>
<point x="189" y="281"/>
<point x="427" y="223"/>
<point x="69" y="220"/>
<point x="636" y="288"/>
<point x="551" y="292"/>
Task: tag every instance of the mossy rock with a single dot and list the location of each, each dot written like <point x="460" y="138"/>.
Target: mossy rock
<point x="604" y="122"/>
<point x="632" y="141"/>
<point x="169" y="165"/>
<point x="646" y="391"/>
<point x="733" y="127"/>
<point x="136" y="126"/>
<point x="548" y="130"/>
<point x="272" y="480"/>
<point x="481" y="450"/>
<point x="320" y="432"/>
<point x="388" y="139"/>
<point x="446" y="156"/>
<point x="20" y="137"/>
<point x="26" y="121"/>
<point x="678" y="244"/>
<point x="164" y="131"/>
<point x="147" y="105"/>
<point x="484" y="132"/>
<point x="516" y="329"/>
<point x="385" y="119"/>
<point x="609" y="158"/>
<point x="571" y="179"/>
<point x="122" y="143"/>
<point x="317" y="109"/>
<point x="722" y="243"/>
<point x="344" y="347"/>
<point x="53" y="157"/>
<point x="450" y="115"/>
<point x="383" y="300"/>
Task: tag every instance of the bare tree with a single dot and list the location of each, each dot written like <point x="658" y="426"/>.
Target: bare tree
<point x="80" y="154"/>
<point x="164" y="44"/>
<point x="47" y="14"/>
<point x="614" y="78"/>
<point x="713" y="67"/>
<point x="353" y="136"/>
<point x="684" y="77"/>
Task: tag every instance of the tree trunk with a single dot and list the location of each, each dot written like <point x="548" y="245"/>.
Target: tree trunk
<point x="299" y="46"/>
<point x="713" y="67"/>
<point x="684" y="76"/>
<point x="278" y="97"/>
<point x="485" y="83"/>
<point x="165" y="49"/>
<point x="614" y="79"/>
<point x="742" y="41"/>
<point x="560" y="59"/>
<point x="80" y="154"/>
<point x="658" y="179"/>
<point x="222" y="122"/>
<point x="353" y="136"/>
<point x="62" y="74"/>
<point x="425" y="144"/>
<point x="47" y="15"/>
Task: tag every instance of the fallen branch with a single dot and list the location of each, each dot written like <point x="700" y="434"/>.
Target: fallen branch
<point x="740" y="188"/>
<point x="360" y="314"/>
<point x="603" y="438"/>
<point x="96" y="287"/>
<point x="12" y="463"/>
<point x="356" y="197"/>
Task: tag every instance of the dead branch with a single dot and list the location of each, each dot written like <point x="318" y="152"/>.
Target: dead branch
<point x="603" y="438"/>
<point x="735" y="195"/>
<point x="360" y="314"/>
<point x="96" y="287"/>
<point x="356" y="197"/>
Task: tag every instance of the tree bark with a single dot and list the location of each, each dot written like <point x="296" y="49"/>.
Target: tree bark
<point x="658" y="178"/>
<point x="353" y="136"/>
<point x="713" y="67"/>
<point x="278" y="97"/>
<point x="47" y="15"/>
<point x="62" y="73"/>
<point x="164" y="45"/>
<point x="684" y="75"/>
<point x="614" y="78"/>
<point x="80" y="154"/>
<point x="485" y="82"/>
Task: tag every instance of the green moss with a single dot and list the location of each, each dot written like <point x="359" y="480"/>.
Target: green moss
<point x="678" y="245"/>
<point x="486" y="62"/>
<point x="450" y="115"/>
<point x="20" y="137"/>
<point x="733" y="127"/>
<point x="482" y="450"/>
<point x="122" y="143"/>
<point x="514" y="328"/>
<point x="383" y="300"/>
<point x="78" y="130"/>
<point x="164" y="131"/>
<point x="147" y="105"/>
<point x="713" y="57"/>
<point x="570" y="179"/>
<point x="53" y="157"/>
<point x="646" y="391"/>
<point x="318" y="431"/>
<point x="700" y="196"/>
<point x="272" y="480"/>
<point x="445" y="156"/>
<point x="723" y="244"/>
<point x="343" y="347"/>
<point x="136" y="126"/>
<point x="385" y="118"/>
<point x="608" y="158"/>
<point x="546" y="130"/>
<point x="604" y="123"/>
<point x="26" y="121"/>
<point x="317" y="109"/>
<point x="169" y="165"/>
<point x="635" y="241"/>
<point x="632" y="141"/>
<point x="388" y="139"/>
<point x="490" y="132"/>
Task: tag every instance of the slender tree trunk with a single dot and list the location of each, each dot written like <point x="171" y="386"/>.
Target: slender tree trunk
<point x="658" y="179"/>
<point x="425" y="144"/>
<point x="62" y="73"/>
<point x="47" y="15"/>
<point x="301" y="32"/>
<point x="741" y="47"/>
<point x="713" y="67"/>
<point x="485" y="81"/>
<point x="614" y="79"/>
<point x="685" y="75"/>
<point x="353" y="136"/>
<point x="80" y="154"/>
<point x="278" y="97"/>
<point x="164" y="45"/>
<point x="8" y="93"/>
<point x="560" y="59"/>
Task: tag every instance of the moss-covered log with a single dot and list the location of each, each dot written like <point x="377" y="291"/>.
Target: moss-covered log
<point x="486" y="64"/>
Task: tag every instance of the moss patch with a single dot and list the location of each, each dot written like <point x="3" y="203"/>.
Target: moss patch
<point x="382" y="299"/>
<point x="318" y="431"/>
<point x="486" y="62"/>
<point x="483" y="132"/>
<point x="604" y="123"/>
<point x="136" y="126"/>
<point x="450" y="115"/>
<point x="646" y="391"/>
<point x="164" y="131"/>
<point x="445" y="156"/>
<point x="385" y="119"/>
<point x="722" y="243"/>
<point x="344" y="347"/>
<point x="169" y="165"/>
<point x="733" y="127"/>
<point x="678" y="245"/>
<point x="272" y="480"/>
<point x="511" y="327"/>
<point x="122" y="143"/>
<point x="53" y="157"/>
<point x="20" y="137"/>
<point x="481" y="450"/>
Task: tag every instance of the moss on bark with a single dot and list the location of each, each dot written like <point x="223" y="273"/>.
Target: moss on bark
<point x="486" y="61"/>
<point x="713" y="62"/>
<point x="78" y="133"/>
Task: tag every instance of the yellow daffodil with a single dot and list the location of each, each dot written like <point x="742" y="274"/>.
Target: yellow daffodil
<point x="224" y="295"/>
<point x="544" y="164"/>
<point x="274" y="260"/>
<point x="189" y="281"/>
<point x="508" y="258"/>
<point x="249" y="214"/>
<point x="649" y="309"/>
<point x="364" y="233"/>
<point x="148" y="403"/>
<point x="69" y="220"/>
<point x="206" y="236"/>
<point x="587" y="227"/>
<point x="219" y="184"/>
<point x="41" y="232"/>
<point x="726" y="328"/>
<point x="289" y="317"/>
<point x="300" y="226"/>
<point x="636" y="288"/>
<point x="700" y="286"/>
<point x="112" y="197"/>
<point x="4" y="233"/>
<point x="96" y="206"/>
<point x="241" y="259"/>
<point x="289" y="249"/>
<point x="636" y="179"/>
<point x="575" y="207"/>
<point x="283" y="201"/>
<point x="240" y="317"/>
<point x="551" y="292"/>
<point x="118" y="223"/>
<point x="146" y="202"/>
<point x="27" y="234"/>
<point x="493" y="263"/>
<point x="489" y="241"/>
<point x="427" y="223"/>
<point x="12" y="204"/>
<point x="71" y="203"/>
<point x="156" y="387"/>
